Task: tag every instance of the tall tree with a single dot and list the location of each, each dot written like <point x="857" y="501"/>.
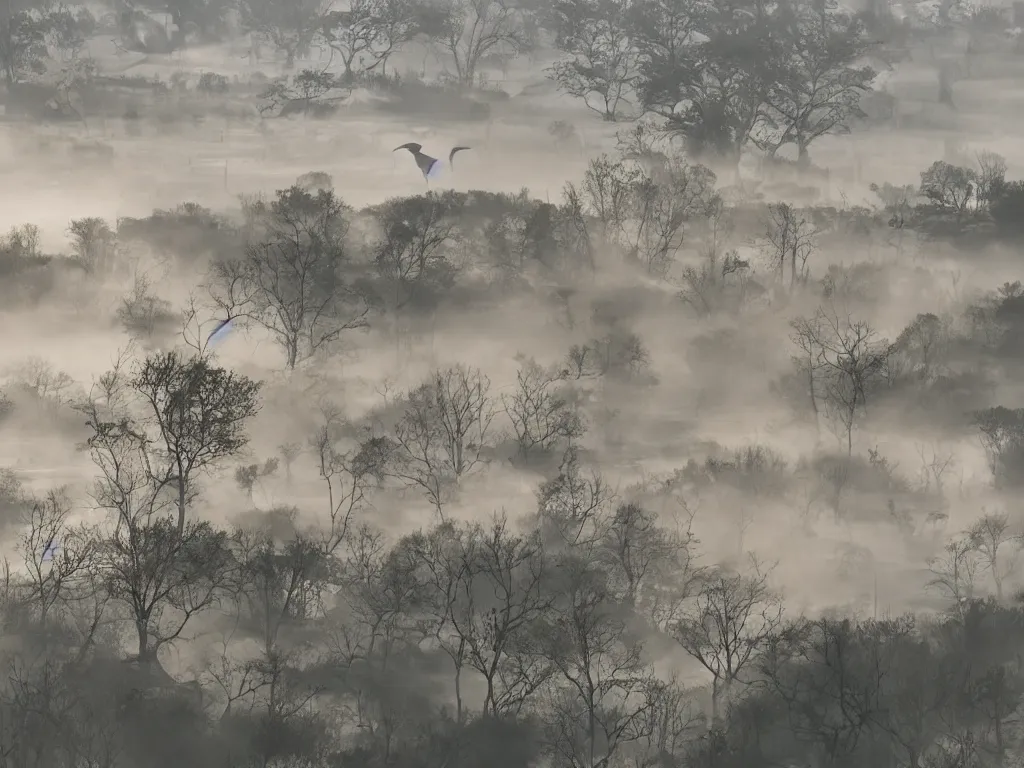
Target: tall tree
<point x="476" y="28"/>
<point x="819" y="84"/>
<point x="291" y="279"/>
<point x="199" y="414"/>
<point x="603" y="63"/>
<point x="368" y="32"/>
<point x="708" y="70"/>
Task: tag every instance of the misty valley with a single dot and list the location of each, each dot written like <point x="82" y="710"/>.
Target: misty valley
<point x="489" y="383"/>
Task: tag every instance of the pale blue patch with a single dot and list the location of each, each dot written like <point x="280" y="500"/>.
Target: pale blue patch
<point x="436" y="170"/>
<point x="220" y="332"/>
<point x="51" y="551"/>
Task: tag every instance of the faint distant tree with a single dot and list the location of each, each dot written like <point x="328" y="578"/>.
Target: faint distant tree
<point x="289" y="452"/>
<point x="608" y="192"/>
<point x="789" y="237"/>
<point x="443" y="431"/>
<point x="730" y="623"/>
<point x="564" y="134"/>
<point x="291" y="279"/>
<point x="249" y="476"/>
<point x="664" y="203"/>
<point x="1002" y="437"/>
<point x="94" y="244"/>
<point x="23" y="28"/>
<point x="991" y="536"/>
<point x="477" y="28"/>
<point x="143" y="314"/>
<point x="896" y="199"/>
<point x="954" y="570"/>
<point x="197" y="414"/>
<point x="602" y="63"/>
<point x="541" y="412"/>
<point x="842" y="359"/>
<point x="950" y="188"/>
<point x="923" y="344"/>
<point x="991" y="177"/>
<point x="290" y="27"/>
<point x="39" y="378"/>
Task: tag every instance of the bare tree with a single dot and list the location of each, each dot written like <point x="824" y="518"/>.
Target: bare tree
<point x="58" y="557"/>
<point x="805" y="335"/>
<point x="845" y="357"/>
<point x="605" y="701"/>
<point x="348" y="472"/>
<point x="603" y="63"/>
<point x="279" y="584"/>
<point x="413" y="252"/>
<point x="991" y="176"/>
<point x="1002" y="437"/>
<point x="448" y="581"/>
<point x="442" y="434"/>
<point x="94" y="244"/>
<point x="39" y="378"/>
<point x="143" y="314"/>
<point x="290" y="282"/>
<point x="991" y="537"/>
<point x="953" y="572"/>
<point x="369" y="32"/>
<point x="162" y="572"/>
<point x="571" y="506"/>
<point x="477" y="28"/>
<point x="379" y="613"/>
<point x="663" y="203"/>
<point x="542" y="414"/>
<point x="198" y="413"/>
<point x="499" y="614"/>
<point x="733" y="618"/>
<point x="635" y="551"/>
<point x="950" y="188"/>
<point x="789" y="236"/>
<point x="935" y="464"/>
<point x="291" y="28"/>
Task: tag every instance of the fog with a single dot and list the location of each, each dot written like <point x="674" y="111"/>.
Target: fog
<point x="676" y="422"/>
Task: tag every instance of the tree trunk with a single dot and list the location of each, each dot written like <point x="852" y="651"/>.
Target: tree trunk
<point x="142" y="628"/>
<point x="181" y="507"/>
<point x="458" y="692"/>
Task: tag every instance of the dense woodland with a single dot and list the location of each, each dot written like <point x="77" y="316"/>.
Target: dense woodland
<point x="159" y="614"/>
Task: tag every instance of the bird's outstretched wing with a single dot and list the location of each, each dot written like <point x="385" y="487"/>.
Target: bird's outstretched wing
<point x="451" y="155"/>
<point x="412" y="146"/>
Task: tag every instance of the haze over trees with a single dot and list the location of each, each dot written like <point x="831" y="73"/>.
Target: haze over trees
<point x="676" y="466"/>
